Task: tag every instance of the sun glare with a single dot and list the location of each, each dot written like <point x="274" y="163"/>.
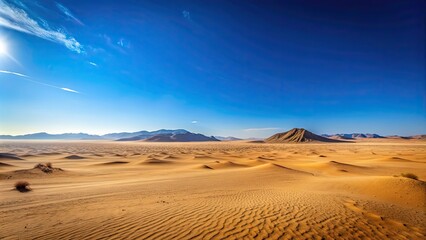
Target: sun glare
<point x="3" y="47"/>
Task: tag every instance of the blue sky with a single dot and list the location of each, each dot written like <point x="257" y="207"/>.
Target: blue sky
<point x="241" y="68"/>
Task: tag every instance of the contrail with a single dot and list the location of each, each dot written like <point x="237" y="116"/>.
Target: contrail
<point x="27" y="78"/>
<point x="13" y="73"/>
<point x="69" y="90"/>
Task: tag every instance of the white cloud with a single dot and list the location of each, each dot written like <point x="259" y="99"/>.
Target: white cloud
<point x="68" y="13"/>
<point x="260" y="129"/>
<point x="194" y="122"/>
<point x="93" y="64"/>
<point x="69" y="90"/>
<point x="17" y="19"/>
<point x="34" y="81"/>
<point x="14" y="73"/>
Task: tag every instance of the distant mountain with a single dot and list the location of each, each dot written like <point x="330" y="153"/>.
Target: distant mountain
<point x="254" y="139"/>
<point x="367" y="135"/>
<point x="123" y="135"/>
<point x="141" y="134"/>
<point x="227" y="138"/>
<point x="180" y="137"/>
<point x="339" y="136"/>
<point x="145" y="134"/>
<point x="418" y="137"/>
<point x="85" y="136"/>
<point x="423" y="137"/>
<point x="47" y="136"/>
<point x="298" y="135"/>
<point x="397" y="137"/>
<point x="347" y="136"/>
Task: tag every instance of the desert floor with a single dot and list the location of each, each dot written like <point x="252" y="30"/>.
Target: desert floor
<point x="121" y="190"/>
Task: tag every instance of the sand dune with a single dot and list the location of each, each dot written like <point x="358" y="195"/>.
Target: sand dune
<point x="155" y="161"/>
<point x="224" y="165"/>
<point x="287" y="170"/>
<point x="48" y="153"/>
<point x="114" y="163"/>
<point x="9" y="156"/>
<point x="40" y="170"/>
<point x="216" y="190"/>
<point x="346" y="165"/>
<point x="75" y="157"/>
<point x="398" y="159"/>
<point x="5" y="165"/>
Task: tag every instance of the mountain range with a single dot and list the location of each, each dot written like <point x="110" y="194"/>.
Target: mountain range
<point x="352" y="135"/>
<point x="84" y="136"/>
<point x="299" y="135"/>
<point x="48" y="136"/>
<point x="162" y="135"/>
<point x="142" y="135"/>
<point x="229" y="138"/>
<point x="180" y="137"/>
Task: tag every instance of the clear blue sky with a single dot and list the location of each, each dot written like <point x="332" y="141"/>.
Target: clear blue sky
<point x="241" y="68"/>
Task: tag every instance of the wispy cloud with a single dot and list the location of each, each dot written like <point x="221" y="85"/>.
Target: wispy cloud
<point x="186" y="14"/>
<point x="27" y="78"/>
<point x="194" y="122"/>
<point x="13" y="73"/>
<point x="69" y="90"/>
<point x="68" y="13"/>
<point x="123" y="43"/>
<point x="260" y="129"/>
<point x="17" y="19"/>
<point x="93" y="64"/>
<point x="120" y="45"/>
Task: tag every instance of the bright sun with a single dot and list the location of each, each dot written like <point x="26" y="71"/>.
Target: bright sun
<point x="3" y="47"/>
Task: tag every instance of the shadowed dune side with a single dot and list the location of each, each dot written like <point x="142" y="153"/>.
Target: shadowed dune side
<point x="399" y="159"/>
<point x="274" y="166"/>
<point x="9" y="156"/>
<point x="346" y="165"/>
<point x="113" y="163"/>
<point x="5" y="165"/>
<point x="334" y="168"/>
<point x="348" y="168"/>
<point x="266" y="158"/>
<point x="224" y="165"/>
<point x="48" y="153"/>
<point x="155" y="161"/>
<point x="74" y="157"/>
<point x="205" y="167"/>
<point x="204" y="157"/>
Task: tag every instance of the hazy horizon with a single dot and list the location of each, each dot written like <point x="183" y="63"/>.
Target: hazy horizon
<point x="217" y="68"/>
<point x="264" y="132"/>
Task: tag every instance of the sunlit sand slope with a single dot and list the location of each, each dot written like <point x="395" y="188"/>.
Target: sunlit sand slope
<point x="217" y="190"/>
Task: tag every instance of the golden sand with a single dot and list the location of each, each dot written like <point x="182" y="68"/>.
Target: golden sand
<point x="235" y="190"/>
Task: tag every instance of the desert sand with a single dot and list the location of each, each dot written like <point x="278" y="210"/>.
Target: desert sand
<point x="235" y="190"/>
